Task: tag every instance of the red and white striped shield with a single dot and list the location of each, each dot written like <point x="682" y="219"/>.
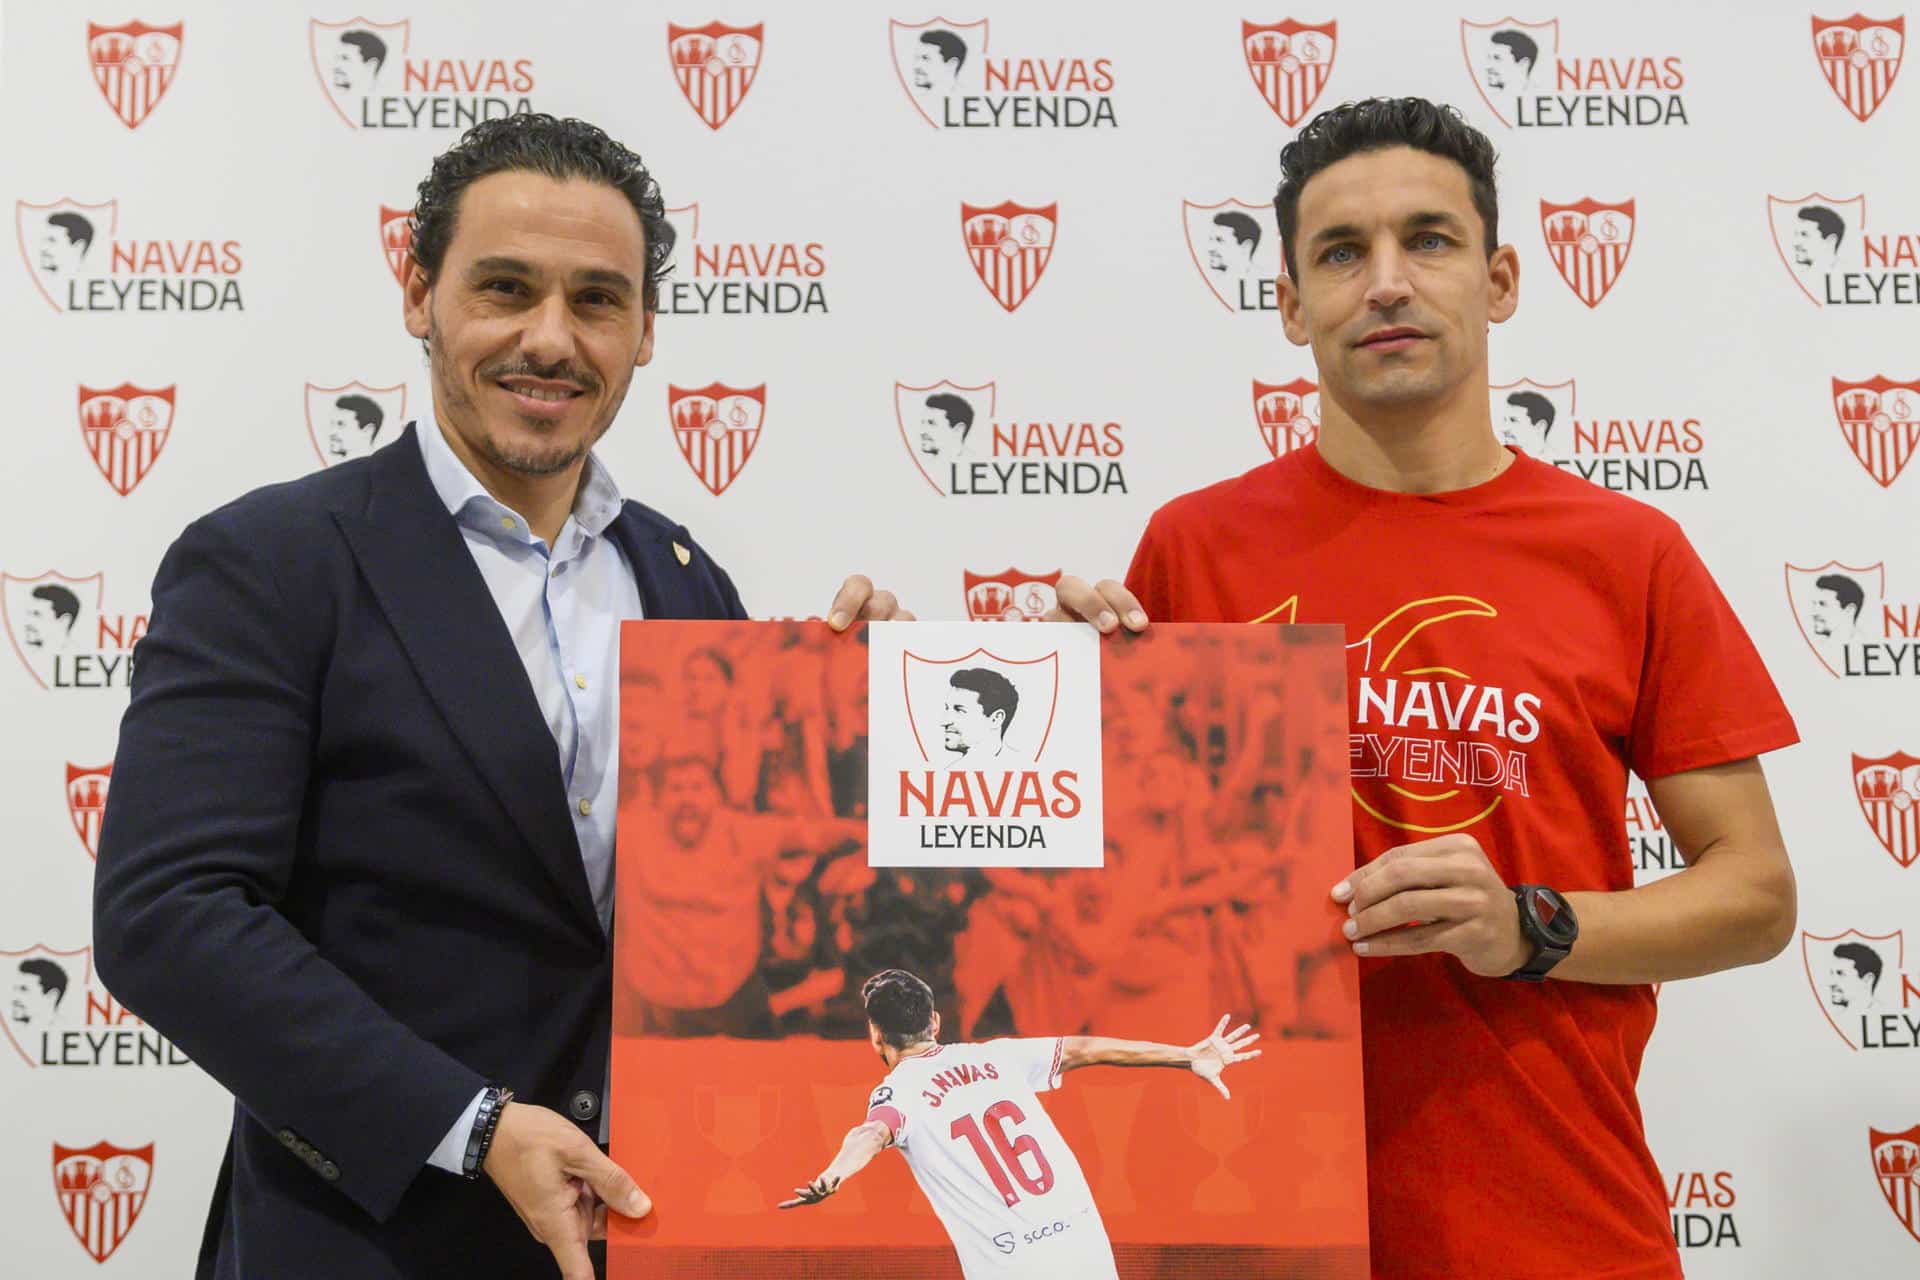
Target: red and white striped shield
<point x="134" y="65"/>
<point x="1896" y="1162"/>
<point x="396" y="240"/>
<point x="1889" y="792"/>
<point x="102" y="1189"/>
<point x="87" y="801"/>
<point x="714" y="66"/>
<point x="1881" y="420"/>
<point x="1009" y="245"/>
<point x="1589" y="242"/>
<point x="125" y="428"/>
<point x="1289" y="62"/>
<point x="717" y="428"/>
<point x="1287" y="413"/>
<point x="1860" y="57"/>
<point x="1011" y="595"/>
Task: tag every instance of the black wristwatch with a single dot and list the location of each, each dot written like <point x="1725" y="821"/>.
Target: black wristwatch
<point x="1547" y="921"/>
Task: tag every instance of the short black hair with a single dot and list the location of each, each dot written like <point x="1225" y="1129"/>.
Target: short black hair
<point x="900" y="1006"/>
<point x="1849" y="593"/>
<point x="951" y="47"/>
<point x="1521" y="45"/>
<point x="366" y="409"/>
<point x="1373" y="125"/>
<point x="1866" y="961"/>
<point x="1829" y="223"/>
<point x="53" y="979"/>
<point x="79" y="230"/>
<point x="958" y="411"/>
<point x="65" y="604"/>
<point x="1245" y="229"/>
<point x="372" y="48"/>
<point x="1537" y="407"/>
<point x="539" y="143"/>
<point x="995" y="691"/>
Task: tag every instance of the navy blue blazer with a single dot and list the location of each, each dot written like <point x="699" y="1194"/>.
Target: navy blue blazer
<point x="338" y="870"/>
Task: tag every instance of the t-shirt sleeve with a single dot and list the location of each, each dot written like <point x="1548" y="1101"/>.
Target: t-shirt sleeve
<point x="881" y="1107"/>
<point x="1705" y="697"/>
<point x="1034" y="1063"/>
<point x="1150" y="577"/>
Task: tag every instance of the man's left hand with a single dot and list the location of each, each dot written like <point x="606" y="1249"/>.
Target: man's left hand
<point x="857" y="601"/>
<point x="1435" y="895"/>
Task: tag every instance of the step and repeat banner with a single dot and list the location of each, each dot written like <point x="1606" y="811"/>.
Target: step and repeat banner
<point x="958" y="301"/>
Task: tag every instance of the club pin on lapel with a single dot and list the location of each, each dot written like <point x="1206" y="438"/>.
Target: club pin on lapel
<point x="684" y="556"/>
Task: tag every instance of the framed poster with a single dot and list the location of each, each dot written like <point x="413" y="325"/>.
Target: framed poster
<point x="965" y="949"/>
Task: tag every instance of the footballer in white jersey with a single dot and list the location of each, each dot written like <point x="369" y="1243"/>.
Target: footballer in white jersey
<point x="986" y="1154"/>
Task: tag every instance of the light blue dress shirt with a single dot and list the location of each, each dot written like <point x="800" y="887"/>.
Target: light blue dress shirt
<point x="563" y="605"/>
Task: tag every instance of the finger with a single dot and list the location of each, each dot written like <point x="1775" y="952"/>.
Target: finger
<point x="570" y="1251"/>
<point x="598" y="1229"/>
<point x="1424" y="870"/>
<point x="1421" y="940"/>
<point x="1239" y="1031"/>
<point x="847" y="603"/>
<point x="904" y="615"/>
<point x="608" y="1180"/>
<point x="880" y="607"/>
<point x="1414" y="906"/>
<point x="1080" y="602"/>
<point x="1124" y="603"/>
<point x="1221" y="1025"/>
<point x="1219" y="1084"/>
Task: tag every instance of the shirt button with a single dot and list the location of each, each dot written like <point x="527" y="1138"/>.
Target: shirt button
<point x="579" y="682"/>
<point x="506" y="522"/>
<point x="584" y="1105"/>
<point x="586" y="808"/>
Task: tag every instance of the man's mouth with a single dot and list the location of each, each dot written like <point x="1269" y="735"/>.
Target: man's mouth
<point x="1397" y="338"/>
<point x="540" y="397"/>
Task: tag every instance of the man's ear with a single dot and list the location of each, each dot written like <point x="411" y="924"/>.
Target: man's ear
<point x="646" y="339"/>
<point x="416" y="300"/>
<point x="1291" y="320"/>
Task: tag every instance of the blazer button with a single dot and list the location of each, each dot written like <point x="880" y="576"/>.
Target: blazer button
<point x="288" y="1139"/>
<point x="330" y="1171"/>
<point x="584" y="1105"/>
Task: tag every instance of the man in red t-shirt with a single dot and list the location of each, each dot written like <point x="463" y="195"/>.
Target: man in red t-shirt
<point x="1519" y="640"/>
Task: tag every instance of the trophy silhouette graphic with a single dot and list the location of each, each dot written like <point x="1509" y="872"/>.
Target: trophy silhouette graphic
<point x="736" y="1123"/>
<point x="1221" y="1126"/>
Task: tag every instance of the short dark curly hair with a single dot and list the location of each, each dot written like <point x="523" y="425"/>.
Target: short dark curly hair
<point x="539" y="143"/>
<point x="900" y="1005"/>
<point x="1375" y="124"/>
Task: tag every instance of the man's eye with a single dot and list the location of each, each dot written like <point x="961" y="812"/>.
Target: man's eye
<point x="1339" y="255"/>
<point x="1431" y="240"/>
<point x="501" y="286"/>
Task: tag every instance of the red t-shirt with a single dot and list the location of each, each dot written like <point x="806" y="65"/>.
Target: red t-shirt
<point x="1513" y="650"/>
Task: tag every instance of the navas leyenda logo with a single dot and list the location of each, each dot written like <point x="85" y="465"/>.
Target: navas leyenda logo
<point x="1235" y="246"/>
<point x="74" y="257"/>
<point x="353" y="419"/>
<point x="1854" y="629"/>
<point x="954" y="83"/>
<point x="1864" y="990"/>
<point x="56" y="1014"/>
<point x="963" y="447"/>
<point x="371" y="80"/>
<point x="1659" y="453"/>
<point x="1835" y="261"/>
<point x="713" y="276"/>
<point x="62" y="634"/>
<point x="1528" y="83"/>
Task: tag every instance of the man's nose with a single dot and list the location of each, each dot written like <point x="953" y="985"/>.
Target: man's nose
<point x="548" y="338"/>
<point x="1387" y="283"/>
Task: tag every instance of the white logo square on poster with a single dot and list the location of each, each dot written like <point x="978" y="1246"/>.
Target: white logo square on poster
<point x="983" y="744"/>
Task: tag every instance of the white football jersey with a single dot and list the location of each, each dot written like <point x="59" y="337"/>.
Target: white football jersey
<point x="986" y="1154"/>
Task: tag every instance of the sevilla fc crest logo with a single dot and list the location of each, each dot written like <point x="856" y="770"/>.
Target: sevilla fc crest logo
<point x="102" y="1189"/>
<point x="1289" y="62"/>
<point x="1009" y="245"/>
<point x="353" y="419"/>
<point x="1589" y="242"/>
<point x="714" y="66"/>
<point x="717" y="428"/>
<point x="1287" y="413"/>
<point x="1881" y="420"/>
<point x="61" y="242"/>
<point x="930" y="58"/>
<point x="1889" y="794"/>
<point x="125" y="428"/>
<point x="350" y="60"/>
<point x="1860" y="57"/>
<point x="1896" y="1162"/>
<point x="1010" y="596"/>
<point x="1809" y="235"/>
<point x="1835" y="605"/>
<point x="998" y="715"/>
<point x="1855" y="976"/>
<point x="1526" y="412"/>
<point x="50" y="615"/>
<point x="1508" y="59"/>
<point x="1236" y="248"/>
<point x="396" y="238"/>
<point x="133" y="65"/>
<point x="943" y="426"/>
<point x="87" y="802"/>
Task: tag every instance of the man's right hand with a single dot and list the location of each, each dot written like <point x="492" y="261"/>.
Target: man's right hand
<point x="553" y="1175"/>
<point x="1106" y="604"/>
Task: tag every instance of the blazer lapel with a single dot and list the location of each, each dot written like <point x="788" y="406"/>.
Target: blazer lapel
<point x="413" y="557"/>
<point x="665" y="591"/>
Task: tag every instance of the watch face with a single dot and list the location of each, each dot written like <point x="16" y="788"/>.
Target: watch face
<point x="1554" y="916"/>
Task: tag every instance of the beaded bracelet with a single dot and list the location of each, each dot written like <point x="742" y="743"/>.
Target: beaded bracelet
<point x="493" y="1101"/>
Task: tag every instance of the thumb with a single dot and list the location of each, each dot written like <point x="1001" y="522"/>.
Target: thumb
<point x="610" y="1182"/>
<point x="1221" y="1085"/>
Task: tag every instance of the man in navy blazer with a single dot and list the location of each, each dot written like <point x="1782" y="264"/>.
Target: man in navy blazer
<point x="357" y="861"/>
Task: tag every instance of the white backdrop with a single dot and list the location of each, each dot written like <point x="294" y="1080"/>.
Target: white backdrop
<point x="824" y="184"/>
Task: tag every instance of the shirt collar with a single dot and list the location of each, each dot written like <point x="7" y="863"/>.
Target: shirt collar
<point x="595" y="506"/>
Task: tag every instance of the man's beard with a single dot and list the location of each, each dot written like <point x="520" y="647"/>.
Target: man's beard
<point x="533" y="460"/>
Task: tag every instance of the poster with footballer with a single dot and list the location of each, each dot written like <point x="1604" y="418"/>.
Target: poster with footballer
<point x="972" y="950"/>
